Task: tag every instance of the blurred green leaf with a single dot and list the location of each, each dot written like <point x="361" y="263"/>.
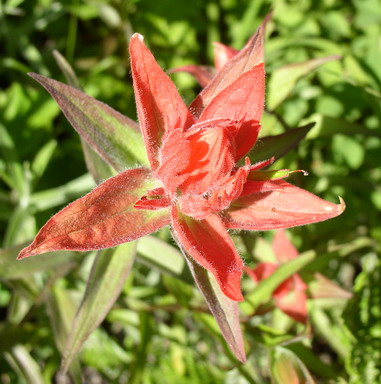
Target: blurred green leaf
<point x="284" y="79"/>
<point x="363" y="319"/>
<point x="62" y="306"/>
<point x="8" y="150"/>
<point x="270" y="336"/>
<point x="156" y="253"/>
<point x="42" y="159"/>
<point x="326" y="126"/>
<point x="23" y="362"/>
<point x="349" y="149"/>
<point x="332" y="332"/>
<point x="50" y="198"/>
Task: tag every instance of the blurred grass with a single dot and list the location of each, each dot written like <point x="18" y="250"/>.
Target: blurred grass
<point x="158" y="331"/>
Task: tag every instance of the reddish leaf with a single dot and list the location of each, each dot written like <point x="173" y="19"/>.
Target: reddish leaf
<point x="160" y="107"/>
<point x="242" y="101"/>
<point x="103" y="218"/>
<point x="284" y="207"/>
<point x="291" y="298"/>
<point x="208" y="243"/>
<point x="250" y="56"/>
<point x="115" y="137"/>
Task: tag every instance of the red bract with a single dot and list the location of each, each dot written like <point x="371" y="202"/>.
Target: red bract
<point x="194" y="183"/>
<point x="290" y="296"/>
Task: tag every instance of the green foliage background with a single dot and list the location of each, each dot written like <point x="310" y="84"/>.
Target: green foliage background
<point x="158" y="330"/>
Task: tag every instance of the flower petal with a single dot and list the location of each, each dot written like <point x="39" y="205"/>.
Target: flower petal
<point x="103" y="218"/>
<point x="160" y="107"/>
<point x="250" y="56"/>
<point x="208" y="243"/>
<point x="243" y="101"/>
<point x="284" y="250"/>
<point x="284" y="207"/>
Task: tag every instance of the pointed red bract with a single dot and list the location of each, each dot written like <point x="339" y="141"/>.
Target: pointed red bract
<point x="284" y="250"/>
<point x="242" y="101"/>
<point x="208" y="243"/>
<point x="103" y="218"/>
<point x="284" y="207"/>
<point x="250" y="56"/>
<point x="160" y="107"/>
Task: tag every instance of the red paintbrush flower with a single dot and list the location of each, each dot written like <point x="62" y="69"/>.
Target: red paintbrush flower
<point x="194" y="184"/>
<point x="291" y="295"/>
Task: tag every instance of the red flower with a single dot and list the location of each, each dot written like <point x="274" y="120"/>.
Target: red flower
<point x="290" y="296"/>
<point x="194" y="184"/>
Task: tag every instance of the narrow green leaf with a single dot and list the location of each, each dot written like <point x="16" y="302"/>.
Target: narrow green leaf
<point x="62" y="307"/>
<point x="157" y="253"/>
<point x="110" y="269"/>
<point x="23" y="363"/>
<point x="279" y="145"/>
<point x="284" y="79"/>
<point x="21" y="226"/>
<point x="66" y="69"/>
<point x="104" y="353"/>
<point x="115" y="137"/>
<point x="42" y="159"/>
<point x="15" y="174"/>
<point x="12" y="269"/>
<point x="332" y="332"/>
<point x="224" y="310"/>
<point x="263" y="291"/>
<point x="140" y="361"/>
